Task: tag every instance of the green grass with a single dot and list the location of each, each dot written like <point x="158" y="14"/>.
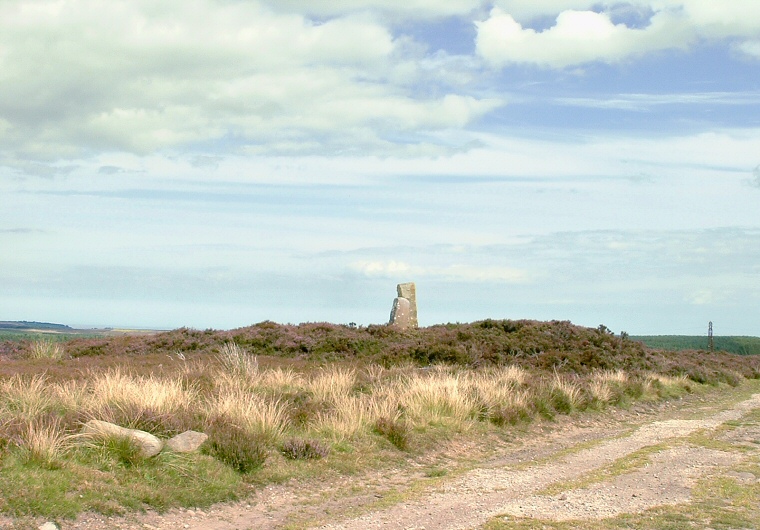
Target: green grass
<point x="731" y="344"/>
<point x="98" y="480"/>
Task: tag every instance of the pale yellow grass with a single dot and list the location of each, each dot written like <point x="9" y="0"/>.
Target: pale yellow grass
<point x="237" y="361"/>
<point x="570" y="389"/>
<point x="44" y="443"/>
<point x="332" y="384"/>
<point x="71" y="395"/>
<point x="116" y="389"/>
<point x="438" y="398"/>
<point x="604" y="384"/>
<point x="281" y="380"/>
<point x="46" y="349"/>
<point x="498" y="388"/>
<point x="263" y="417"/>
<point x="25" y="397"/>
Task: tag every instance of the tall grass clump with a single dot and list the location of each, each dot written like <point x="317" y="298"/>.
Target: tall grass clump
<point x="267" y="419"/>
<point x="566" y="394"/>
<point x="46" y="349"/>
<point x="150" y="403"/>
<point x="607" y="387"/>
<point x="238" y="362"/>
<point x="25" y="398"/>
<point x="498" y="393"/>
<point x="666" y="387"/>
<point x="332" y="384"/>
<point x="437" y="398"/>
<point x="44" y="444"/>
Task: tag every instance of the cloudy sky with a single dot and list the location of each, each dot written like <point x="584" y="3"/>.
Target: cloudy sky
<point x="215" y="163"/>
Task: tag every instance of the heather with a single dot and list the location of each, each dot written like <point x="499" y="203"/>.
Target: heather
<point x="282" y="401"/>
<point x="555" y="345"/>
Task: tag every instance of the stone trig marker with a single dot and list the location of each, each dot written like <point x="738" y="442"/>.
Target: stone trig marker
<point x="404" y="312"/>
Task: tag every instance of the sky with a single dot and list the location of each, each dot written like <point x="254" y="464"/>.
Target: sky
<point x="217" y="163"/>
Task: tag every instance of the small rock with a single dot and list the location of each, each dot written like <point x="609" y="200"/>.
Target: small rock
<point x="48" y="526"/>
<point x="187" y="442"/>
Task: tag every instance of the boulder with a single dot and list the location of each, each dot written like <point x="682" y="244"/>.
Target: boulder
<point x="149" y="445"/>
<point x="187" y="442"/>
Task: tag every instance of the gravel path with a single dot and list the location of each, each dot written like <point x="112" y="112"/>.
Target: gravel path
<point x="484" y="493"/>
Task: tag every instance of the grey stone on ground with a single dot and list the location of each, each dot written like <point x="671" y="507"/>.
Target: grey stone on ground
<point x="149" y="445"/>
<point x="409" y="291"/>
<point x="48" y="526"/>
<point x="187" y="442"/>
<point x="400" y="314"/>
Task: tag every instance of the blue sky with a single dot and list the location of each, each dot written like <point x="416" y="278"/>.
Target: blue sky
<point x="215" y="163"/>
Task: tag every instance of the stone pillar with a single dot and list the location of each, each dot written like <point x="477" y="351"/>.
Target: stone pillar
<point x="409" y="291"/>
<point x="404" y="312"/>
<point x="400" y="314"/>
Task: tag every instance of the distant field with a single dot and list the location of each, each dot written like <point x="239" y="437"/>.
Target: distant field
<point x="63" y="336"/>
<point x="25" y="334"/>
<point x="739" y="345"/>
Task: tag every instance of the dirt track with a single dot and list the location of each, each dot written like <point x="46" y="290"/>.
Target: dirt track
<point x="511" y="483"/>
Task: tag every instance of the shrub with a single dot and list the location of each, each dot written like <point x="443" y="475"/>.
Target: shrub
<point x="396" y="431"/>
<point x="511" y="414"/>
<point x="297" y="449"/>
<point x="239" y="449"/>
<point x="305" y="410"/>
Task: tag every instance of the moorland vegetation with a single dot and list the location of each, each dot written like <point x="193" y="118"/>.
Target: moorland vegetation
<point x="282" y="401"/>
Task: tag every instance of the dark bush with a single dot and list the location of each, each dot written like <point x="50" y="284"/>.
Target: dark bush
<point x="396" y="431"/>
<point x="235" y="447"/>
<point x="297" y="449"/>
<point x="504" y="416"/>
<point x="555" y="345"/>
<point x="305" y="408"/>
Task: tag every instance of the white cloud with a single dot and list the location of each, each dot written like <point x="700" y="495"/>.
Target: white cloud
<point x="413" y="8"/>
<point x="750" y="47"/>
<point x="577" y="37"/>
<point x="81" y="77"/>
<point x="457" y="272"/>
<point x="526" y="10"/>
<point x="583" y="34"/>
<point x="644" y="102"/>
<point x="720" y="19"/>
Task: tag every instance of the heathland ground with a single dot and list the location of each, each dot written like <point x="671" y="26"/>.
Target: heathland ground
<point x="498" y="423"/>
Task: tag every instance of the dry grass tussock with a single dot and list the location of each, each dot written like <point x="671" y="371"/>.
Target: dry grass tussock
<point x="115" y="392"/>
<point x="46" y="349"/>
<point x="25" y="398"/>
<point x="334" y="404"/>
<point x="44" y="443"/>
<point x="236" y="361"/>
<point x="257" y="415"/>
